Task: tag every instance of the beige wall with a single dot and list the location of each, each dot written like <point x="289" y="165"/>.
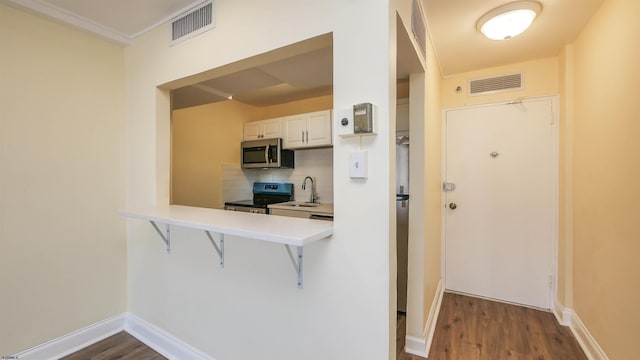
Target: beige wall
<point x="62" y="246"/>
<point x="203" y="138"/>
<point x="606" y="177"/>
<point x="565" y="178"/>
<point x="540" y="79"/>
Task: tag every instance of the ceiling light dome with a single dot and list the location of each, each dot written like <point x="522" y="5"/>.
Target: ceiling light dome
<point x="509" y="20"/>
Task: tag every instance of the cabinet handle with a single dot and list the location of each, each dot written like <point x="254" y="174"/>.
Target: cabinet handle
<point x="303" y="136"/>
<point x="307" y="136"/>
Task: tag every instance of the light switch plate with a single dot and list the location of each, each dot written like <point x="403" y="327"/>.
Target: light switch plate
<point x="358" y="165"/>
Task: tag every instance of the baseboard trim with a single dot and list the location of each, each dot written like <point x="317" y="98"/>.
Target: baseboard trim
<point x="568" y="317"/>
<point x="161" y="341"/>
<point x="588" y="343"/>
<point x="157" y="339"/>
<point x="76" y="340"/>
<point x="432" y="320"/>
<point x="421" y="346"/>
<point x="563" y="315"/>
<point x="415" y="346"/>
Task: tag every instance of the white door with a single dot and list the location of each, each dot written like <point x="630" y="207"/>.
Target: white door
<point x="500" y="220"/>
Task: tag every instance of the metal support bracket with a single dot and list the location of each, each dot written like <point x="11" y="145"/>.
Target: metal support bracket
<point x="166" y="237"/>
<point x="219" y="249"/>
<point x="297" y="264"/>
<point x="296" y="260"/>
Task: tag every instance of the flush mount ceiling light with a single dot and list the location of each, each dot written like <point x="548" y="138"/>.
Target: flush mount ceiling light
<point x="509" y="20"/>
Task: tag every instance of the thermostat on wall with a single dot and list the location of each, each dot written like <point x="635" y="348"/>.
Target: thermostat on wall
<point x="357" y="120"/>
<point x="345" y="122"/>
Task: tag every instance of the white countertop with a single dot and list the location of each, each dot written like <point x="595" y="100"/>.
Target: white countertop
<point x="278" y="229"/>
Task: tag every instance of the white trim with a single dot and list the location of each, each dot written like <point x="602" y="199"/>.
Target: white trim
<point x="568" y="317"/>
<point x="157" y="339"/>
<point x="74" y="341"/>
<point x="161" y="341"/>
<point x="415" y="346"/>
<point x="587" y="342"/>
<point x="432" y="320"/>
<point x="421" y="346"/>
<point x="563" y="315"/>
<point x="70" y="18"/>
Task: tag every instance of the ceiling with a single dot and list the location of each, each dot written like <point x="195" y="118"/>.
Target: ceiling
<point x="461" y="48"/>
<point x="458" y="46"/>
<point x="298" y="77"/>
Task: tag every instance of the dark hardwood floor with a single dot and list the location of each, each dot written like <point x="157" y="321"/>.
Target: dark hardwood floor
<point x="121" y="346"/>
<point x="470" y="328"/>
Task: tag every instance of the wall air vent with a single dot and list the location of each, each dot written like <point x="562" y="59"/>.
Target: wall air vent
<point x="496" y="84"/>
<point x="418" y="27"/>
<point x="192" y="23"/>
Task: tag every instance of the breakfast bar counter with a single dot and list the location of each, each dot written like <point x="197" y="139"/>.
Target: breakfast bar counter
<point x="277" y="229"/>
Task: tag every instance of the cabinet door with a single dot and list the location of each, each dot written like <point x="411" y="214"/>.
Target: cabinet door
<point x="271" y="128"/>
<point x="252" y="130"/>
<point x="294" y="131"/>
<point x="318" y="128"/>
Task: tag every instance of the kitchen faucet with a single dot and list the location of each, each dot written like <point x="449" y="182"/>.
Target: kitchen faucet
<point x="314" y="195"/>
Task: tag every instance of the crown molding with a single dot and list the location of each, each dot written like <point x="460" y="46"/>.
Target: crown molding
<point x="44" y="8"/>
<point x="61" y="15"/>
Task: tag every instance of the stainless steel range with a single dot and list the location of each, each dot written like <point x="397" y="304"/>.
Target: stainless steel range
<point x="264" y="194"/>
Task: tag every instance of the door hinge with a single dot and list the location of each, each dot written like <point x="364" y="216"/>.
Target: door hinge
<point x="550" y="281"/>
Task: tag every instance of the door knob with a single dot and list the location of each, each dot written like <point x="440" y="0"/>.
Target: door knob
<point x="452" y="206"/>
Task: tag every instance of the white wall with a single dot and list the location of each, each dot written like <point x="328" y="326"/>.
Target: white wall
<point x="62" y="246"/>
<point x="347" y="307"/>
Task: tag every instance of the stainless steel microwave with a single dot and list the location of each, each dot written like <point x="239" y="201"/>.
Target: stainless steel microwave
<point x="265" y="154"/>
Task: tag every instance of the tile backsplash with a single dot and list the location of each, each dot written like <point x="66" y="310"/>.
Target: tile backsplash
<point x="317" y="163"/>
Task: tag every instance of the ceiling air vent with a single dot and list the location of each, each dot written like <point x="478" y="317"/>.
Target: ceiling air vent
<point x="194" y="22"/>
<point x="418" y="27"/>
<point x="495" y="84"/>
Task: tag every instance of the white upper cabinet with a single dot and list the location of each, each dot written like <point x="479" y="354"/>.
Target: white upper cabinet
<point x="264" y="129"/>
<point x="293" y="134"/>
<point x="307" y="130"/>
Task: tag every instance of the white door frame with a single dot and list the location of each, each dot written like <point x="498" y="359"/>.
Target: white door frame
<point x="556" y="171"/>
